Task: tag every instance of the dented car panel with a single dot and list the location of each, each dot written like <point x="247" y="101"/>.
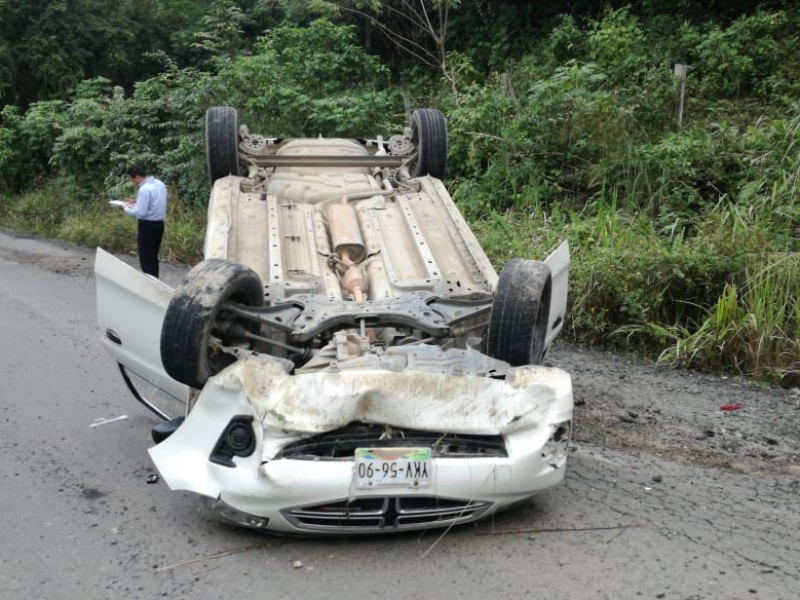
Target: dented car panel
<point x="345" y="359"/>
<point x="529" y="409"/>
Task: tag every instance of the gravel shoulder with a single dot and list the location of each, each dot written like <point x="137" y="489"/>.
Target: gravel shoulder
<point x="689" y="417"/>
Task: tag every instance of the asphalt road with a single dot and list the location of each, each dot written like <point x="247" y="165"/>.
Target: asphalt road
<point x="81" y="521"/>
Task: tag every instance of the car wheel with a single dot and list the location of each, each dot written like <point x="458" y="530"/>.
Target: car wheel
<point x="222" y="142"/>
<point x="197" y="317"/>
<point x="518" y="320"/>
<point x="429" y="136"/>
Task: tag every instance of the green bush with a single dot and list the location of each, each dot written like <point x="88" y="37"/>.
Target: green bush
<point x="311" y="81"/>
<point x="26" y="143"/>
<point x="751" y="56"/>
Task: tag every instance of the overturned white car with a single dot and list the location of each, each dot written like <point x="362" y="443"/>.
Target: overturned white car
<point x="345" y="359"/>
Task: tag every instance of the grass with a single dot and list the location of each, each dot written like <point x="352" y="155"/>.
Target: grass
<point x="753" y="329"/>
<point x="58" y="211"/>
<point x="723" y="299"/>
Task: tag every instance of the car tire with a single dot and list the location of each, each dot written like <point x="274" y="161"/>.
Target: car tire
<point x="520" y="309"/>
<point x="222" y="142"/>
<point x="429" y="136"/>
<point x="197" y="312"/>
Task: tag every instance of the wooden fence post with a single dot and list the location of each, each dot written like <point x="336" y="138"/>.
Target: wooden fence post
<point x="680" y="73"/>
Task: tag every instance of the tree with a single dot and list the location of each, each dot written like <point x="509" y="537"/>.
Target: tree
<point x="308" y="81"/>
<point x="48" y="46"/>
<point x="418" y="28"/>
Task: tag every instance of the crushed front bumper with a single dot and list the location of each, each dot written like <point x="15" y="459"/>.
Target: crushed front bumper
<point x="515" y="434"/>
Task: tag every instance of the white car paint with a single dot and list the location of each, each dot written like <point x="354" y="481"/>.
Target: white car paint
<point x="525" y="409"/>
<point x="362" y="249"/>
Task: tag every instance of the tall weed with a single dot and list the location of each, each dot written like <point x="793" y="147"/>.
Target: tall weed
<point x="752" y="329"/>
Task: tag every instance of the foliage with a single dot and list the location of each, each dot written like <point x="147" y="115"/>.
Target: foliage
<point x="752" y="329"/>
<point x="663" y="222"/>
<point x="619" y="44"/>
<point x="51" y="45"/>
<point x="418" y="29"/>
<point x="292" y="86"/>
<point x="12" y="166"/>
<point x="749" y="57"/>
<point x="311" y="81"/>
<point x="552" y="144"/>
<point x="26" y="143"/>
<point x="62" y="210"/>
<point x="221" y="36"/>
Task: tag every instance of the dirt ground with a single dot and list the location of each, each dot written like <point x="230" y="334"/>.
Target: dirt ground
<point x="632" y="406"/>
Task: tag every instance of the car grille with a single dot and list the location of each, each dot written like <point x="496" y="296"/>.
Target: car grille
<point x="376" y="514"/>
<point x="342" y="443"/>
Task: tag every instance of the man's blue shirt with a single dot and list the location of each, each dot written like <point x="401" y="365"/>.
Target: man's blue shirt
<point x="151" y="200"/>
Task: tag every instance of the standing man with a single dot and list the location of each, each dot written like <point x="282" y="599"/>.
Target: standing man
<point x="150" y="207"/>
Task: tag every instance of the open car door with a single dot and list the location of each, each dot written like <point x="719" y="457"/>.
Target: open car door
<point x="130" y="312"/>
<point x="558" y="261"/>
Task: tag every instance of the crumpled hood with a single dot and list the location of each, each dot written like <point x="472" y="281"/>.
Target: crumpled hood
<point x="324" y="401"/>
<point x="290" y="407"/>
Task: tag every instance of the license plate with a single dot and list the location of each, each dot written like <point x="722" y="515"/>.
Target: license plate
<point x="405" y="467"/>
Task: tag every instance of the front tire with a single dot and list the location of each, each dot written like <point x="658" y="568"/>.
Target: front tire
<point x="520" y="310"/>
<point x="196" y="317"/>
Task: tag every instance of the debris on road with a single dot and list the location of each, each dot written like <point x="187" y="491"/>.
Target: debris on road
<point x="101" y="421"/>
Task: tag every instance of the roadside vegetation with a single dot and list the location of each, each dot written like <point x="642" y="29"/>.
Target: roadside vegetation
<point x="679" y="197"/>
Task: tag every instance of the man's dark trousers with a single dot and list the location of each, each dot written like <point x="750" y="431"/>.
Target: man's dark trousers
<point x="149" y="241"/>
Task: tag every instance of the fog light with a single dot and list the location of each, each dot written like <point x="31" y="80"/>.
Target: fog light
<point x="240" y="437"/>
<point x="220" y="511"/>
<point x="237" y="517"/>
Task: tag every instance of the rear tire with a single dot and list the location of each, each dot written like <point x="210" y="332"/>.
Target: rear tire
<point x="197" y="313"/>
<point x="521" y="306"/>
<point x="429" y="136"/>
<point x="222" y="142"/>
